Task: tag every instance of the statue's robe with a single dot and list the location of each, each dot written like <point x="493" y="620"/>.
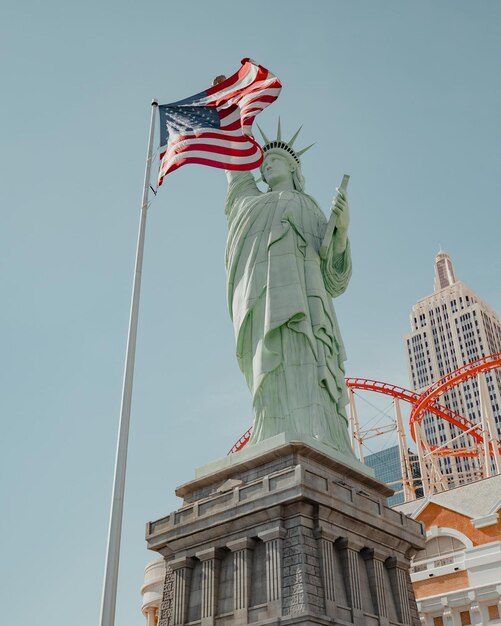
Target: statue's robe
<point x="280" y="298"/>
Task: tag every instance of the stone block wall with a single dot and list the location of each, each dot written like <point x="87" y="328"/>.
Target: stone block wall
<point x="297" y="540"/>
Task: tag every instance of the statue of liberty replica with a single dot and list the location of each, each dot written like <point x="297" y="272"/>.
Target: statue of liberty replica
<point x="292" y="530"/>
<point x="285" y="261"/>
<point x="280" y="290"/>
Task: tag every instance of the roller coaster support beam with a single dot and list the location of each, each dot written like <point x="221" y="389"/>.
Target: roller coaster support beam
<point x="444" y="446"/>
<point x="354" y="427"/>
<point x="491" y="443"/>
<point x="405" y="464"/>
<point x="423" y="466"/>
<point x="436" y="481"/>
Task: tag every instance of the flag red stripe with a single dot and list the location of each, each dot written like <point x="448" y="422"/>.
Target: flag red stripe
<point x="261" y="75"/>
<point x="208" y="135"/>
<point x="242" y="156"/>
<point x="211" y="163"/>
<point x="232" y="80"/>
<point x="223" y="92"/>
<point x="233" y="126"/>
<point x="256" y="88"/>
<point x="228" y="111"/>
<point x="226" y="149"/>
<point x="244" y="162"/>
<point x="260" y="98"/>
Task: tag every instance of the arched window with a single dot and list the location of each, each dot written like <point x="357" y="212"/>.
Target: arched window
<point x="439" y="547"/>
<point x="444" y="547"/>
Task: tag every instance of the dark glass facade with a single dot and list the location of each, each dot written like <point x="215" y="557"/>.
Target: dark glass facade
<point x="386" y="465"/>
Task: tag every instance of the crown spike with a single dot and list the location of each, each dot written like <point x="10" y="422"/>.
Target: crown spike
<point x="300" y="152"/>
<point x="291" y="141"/>
<point x="279" y="144"/>
<point x="265" y="138"/>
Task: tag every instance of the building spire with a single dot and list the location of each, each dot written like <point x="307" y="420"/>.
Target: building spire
<point x="444" y="271"/>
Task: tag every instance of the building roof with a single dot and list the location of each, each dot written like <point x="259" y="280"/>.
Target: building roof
<point x="474" y="500"/>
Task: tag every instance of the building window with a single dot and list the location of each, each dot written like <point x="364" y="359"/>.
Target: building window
<point x="439" y="551"/>
<point x="440" y="547"/>
<point x="465" y="618"/>
<point x="493" y="612"/>
<point x="438" y="621"/>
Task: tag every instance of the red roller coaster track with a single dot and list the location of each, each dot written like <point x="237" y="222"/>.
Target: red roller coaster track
<point x="434" y="407"/>
<point x="441" y="386"/>
<point x="426" y="402"/>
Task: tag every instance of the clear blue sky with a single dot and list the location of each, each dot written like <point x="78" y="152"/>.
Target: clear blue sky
<point x="403" y="95"/>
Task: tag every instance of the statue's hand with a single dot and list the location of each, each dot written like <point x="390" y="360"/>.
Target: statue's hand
<point x="341" y="209"/>
<point x="219" y="79"/>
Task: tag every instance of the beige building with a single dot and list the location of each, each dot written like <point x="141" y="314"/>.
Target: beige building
<point x="151" y="591"/>
<point x="457" y="577"/>
<point x="450" y="328"/>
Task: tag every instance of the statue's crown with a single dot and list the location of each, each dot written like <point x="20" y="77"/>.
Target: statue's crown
<point x="285" y="146"/>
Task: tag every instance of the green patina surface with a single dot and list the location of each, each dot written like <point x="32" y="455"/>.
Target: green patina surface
<point x="280" y="291"/>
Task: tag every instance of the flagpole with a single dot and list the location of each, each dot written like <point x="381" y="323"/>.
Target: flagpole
<point x="109" y="597"/>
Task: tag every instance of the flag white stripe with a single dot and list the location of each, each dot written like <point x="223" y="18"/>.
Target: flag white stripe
<point x="262" y="85"/>
<point x="253" y="110"/>
<point x="249" y="101"/>
<point x="195" y="148"/>
<point x="233" y="117"/>
<point x="202" y="154"/>
<point x="247" y="80"/>
<point x="223" y="143"/>
<point x="226" y="137"/>
<point x="252" y="96"/>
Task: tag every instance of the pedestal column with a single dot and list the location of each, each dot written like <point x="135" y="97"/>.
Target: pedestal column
<point x="210" y="559"/>
<point x="398" y="577"/>
<point x="182" y="570"/>
<point x="349" y="553"/>
<point x="375" y="571"/>
<point x="327" y="562"/>
<point x="242" y="565"/>
<point x="273" y="540"/>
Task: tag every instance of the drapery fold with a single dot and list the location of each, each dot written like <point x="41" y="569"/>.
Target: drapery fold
<point x="289" y="346"/>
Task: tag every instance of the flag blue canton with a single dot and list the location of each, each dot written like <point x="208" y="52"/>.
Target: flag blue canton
<point x="180" y="119"/>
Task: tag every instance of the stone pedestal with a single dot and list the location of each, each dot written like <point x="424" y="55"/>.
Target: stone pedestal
<point x="288" y="536"/>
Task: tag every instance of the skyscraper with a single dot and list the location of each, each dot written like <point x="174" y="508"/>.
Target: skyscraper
<point x="388" y="469"/>
<point x="449" y="329"/>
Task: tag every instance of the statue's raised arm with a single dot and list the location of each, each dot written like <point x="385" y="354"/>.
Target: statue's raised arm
<point x="279" y="294"/>
<point x="334" y="250"/>
<point x="342" y="213"/>
<point x="240" y="185"/>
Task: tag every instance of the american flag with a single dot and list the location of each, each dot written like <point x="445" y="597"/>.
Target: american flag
<point x="214" y="127"/>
